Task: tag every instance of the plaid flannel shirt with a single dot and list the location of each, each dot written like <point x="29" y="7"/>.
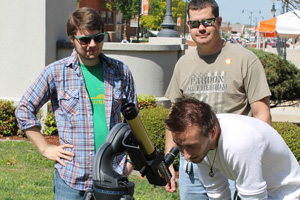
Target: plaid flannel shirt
<point x="62" y="82"/>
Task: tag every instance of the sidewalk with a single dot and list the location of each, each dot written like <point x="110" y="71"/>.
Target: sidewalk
<point x="286" y="114"/>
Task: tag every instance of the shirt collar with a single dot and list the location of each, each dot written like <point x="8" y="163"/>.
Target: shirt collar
<point x="73" y="61"/>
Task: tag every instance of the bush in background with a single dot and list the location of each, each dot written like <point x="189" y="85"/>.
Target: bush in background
<point x="153" y="120"/>
<point x="282" y="75"/>
<point x="146" y="101"/>
<point x="291" y="135"/>
<point x="8" y="121"/>
<point x="50" y="125"/>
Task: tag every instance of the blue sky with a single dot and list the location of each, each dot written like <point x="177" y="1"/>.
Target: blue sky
<point x="231" y="10"/>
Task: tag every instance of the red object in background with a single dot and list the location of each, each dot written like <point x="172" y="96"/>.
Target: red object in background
<point x="145" y="7"/>
<point x="178" y="21"/>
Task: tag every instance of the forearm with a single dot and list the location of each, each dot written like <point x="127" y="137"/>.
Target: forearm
<point x="266" y="117"/>
<point x="37" y="139"/>
<point x="261" y="110"/>
<point x="169" y="143"/>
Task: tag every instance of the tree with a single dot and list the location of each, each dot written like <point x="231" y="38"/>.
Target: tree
<point x="157" y="10"/>
<point x="291" y="4"/>
<point x="156" y="15"/>
<point x="77" y="3"/>
<point x="129" y="9"/>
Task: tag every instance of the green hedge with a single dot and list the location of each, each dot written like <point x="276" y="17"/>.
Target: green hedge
<point x="8" y="121"/>
<point x="291" y="135"/>
<point x="153" y="120"/>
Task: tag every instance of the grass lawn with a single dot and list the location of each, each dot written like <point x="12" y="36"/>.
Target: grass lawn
<point x="25" y="174"/>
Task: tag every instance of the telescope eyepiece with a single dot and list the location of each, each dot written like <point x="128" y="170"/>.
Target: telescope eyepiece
<point x="129" y="111"/>
<point x="170" y="157"/>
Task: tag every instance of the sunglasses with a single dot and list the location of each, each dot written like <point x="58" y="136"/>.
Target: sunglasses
<point x="205" y="22"/>
<point x="85" y="40"/>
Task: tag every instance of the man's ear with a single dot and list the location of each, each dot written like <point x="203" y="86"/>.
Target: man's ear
<point x="72" y="39"/>
<point x="213" y="133"/>
<point x="219" y="20"/>
<point x="188" y="26"/>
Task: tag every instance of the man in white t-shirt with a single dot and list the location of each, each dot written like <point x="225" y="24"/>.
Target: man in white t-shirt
<point x="236" y="147"/>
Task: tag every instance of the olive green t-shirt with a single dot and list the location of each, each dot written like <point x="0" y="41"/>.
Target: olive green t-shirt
<point x="93" y="77"/>
<point x="229" y="80"/>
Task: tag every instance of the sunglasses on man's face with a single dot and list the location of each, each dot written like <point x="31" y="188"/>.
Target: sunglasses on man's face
<point x="85" y="40"/>
<point x="205" y="22"/>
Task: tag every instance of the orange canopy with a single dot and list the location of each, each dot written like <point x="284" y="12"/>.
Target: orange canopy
<point x="268" y="27"/>
<point x="285" y="25"/>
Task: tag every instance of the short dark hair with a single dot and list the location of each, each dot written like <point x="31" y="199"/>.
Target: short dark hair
<point x="189" y="111"/>
<point x="84" y="18"/>
<point x="200" y="4"/>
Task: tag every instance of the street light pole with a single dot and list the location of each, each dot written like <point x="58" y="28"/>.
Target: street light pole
<point x="273" y="10"/>
<point x="251" y="12"/>
<point x="281" y="42"/>
<point x="284" y="52"/>
<point x="185" y="17"/>
<point x="168" y="23"/>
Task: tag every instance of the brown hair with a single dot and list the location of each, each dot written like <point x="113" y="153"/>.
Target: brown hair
<point x="84" y="18"/>
<point x="189" y="111"/>
<point x="200" y="4"/>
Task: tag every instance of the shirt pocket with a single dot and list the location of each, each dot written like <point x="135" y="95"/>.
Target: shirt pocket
<point x="68" y="102"/>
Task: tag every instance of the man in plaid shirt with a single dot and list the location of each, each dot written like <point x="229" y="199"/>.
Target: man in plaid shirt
<point x="86" y="91"/>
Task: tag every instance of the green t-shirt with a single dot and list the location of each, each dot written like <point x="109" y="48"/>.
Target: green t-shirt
<point x="93" y="77"/>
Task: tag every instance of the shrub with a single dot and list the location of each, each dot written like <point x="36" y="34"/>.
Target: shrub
<point x="50" y="125"/>
<point x="146" y="101"/>
<point x="153" y="120"/>
<point x="291" y="135"/>
<point x="8" y="121"/>
<point x="283" y="77"/>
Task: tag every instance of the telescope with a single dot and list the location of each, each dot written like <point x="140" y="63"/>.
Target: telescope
<point x="132" y="138"/>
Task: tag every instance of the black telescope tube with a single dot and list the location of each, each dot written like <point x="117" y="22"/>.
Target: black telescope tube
<point x="130" y="113"/>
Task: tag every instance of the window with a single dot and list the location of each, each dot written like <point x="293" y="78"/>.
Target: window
<point x="103" y="15"/>
<point x="110" y="18"/>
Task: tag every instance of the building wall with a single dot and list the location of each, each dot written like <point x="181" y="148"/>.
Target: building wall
<point x="110" y="27"/>
<point x="28" y="35"/>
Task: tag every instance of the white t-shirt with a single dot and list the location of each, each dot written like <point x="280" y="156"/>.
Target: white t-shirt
<point x="254" y="155"/>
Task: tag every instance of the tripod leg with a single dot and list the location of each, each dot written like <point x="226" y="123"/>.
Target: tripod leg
<point x="88" y="195"/>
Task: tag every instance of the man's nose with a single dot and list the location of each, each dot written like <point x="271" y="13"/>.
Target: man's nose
<point x="92" y="43"/>
<point x="186" y="155"/>
<point x="201" y="27"/>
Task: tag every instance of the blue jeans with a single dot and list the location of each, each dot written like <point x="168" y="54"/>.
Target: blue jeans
<point x="191" y="185"/>
<point x="64" y="192"/>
